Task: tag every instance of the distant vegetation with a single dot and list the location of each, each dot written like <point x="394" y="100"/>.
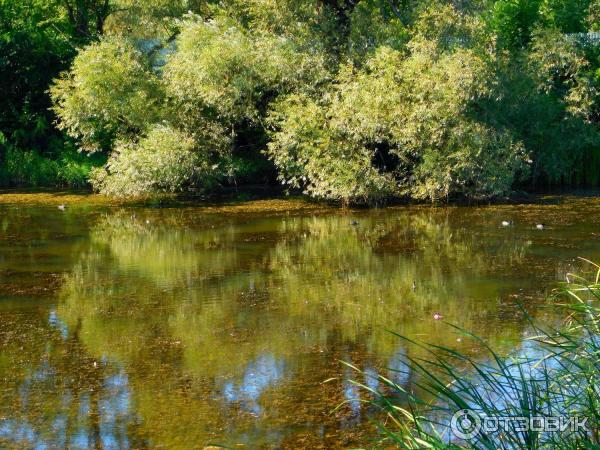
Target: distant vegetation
<point x="356" y="101"/>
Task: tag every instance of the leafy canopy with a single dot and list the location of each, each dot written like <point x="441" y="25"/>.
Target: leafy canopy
<point x="356" y="101"/>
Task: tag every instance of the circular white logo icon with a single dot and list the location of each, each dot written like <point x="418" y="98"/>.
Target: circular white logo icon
<point x="465" y="424"/>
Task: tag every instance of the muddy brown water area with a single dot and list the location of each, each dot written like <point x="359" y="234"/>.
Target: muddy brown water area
<point x="183" y="327"/>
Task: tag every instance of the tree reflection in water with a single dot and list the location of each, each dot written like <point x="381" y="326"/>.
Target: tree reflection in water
<point x="178" y="329"/>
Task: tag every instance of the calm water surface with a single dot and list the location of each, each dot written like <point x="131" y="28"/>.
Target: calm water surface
<point x="182" y="328"/>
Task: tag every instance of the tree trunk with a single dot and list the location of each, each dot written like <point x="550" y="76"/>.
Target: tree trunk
<point x="86" y="15"/>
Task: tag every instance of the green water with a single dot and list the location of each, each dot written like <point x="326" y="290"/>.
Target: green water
<point x="181" y="328"/>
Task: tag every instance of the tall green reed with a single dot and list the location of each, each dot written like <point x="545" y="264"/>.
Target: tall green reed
<point x="555" y="374"/>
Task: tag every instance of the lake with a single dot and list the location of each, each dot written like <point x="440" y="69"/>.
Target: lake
<point x="140" y="327"/>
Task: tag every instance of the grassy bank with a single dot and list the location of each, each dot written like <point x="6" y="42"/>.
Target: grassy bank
<point x="66" y="168"/>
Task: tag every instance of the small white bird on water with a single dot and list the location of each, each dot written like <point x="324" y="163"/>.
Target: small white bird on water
<point x="507" y="223"/>
<point x="540" y="226"/>
<point x="62" y="207"/>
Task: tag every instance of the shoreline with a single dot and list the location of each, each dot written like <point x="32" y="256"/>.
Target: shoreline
<point x="257" y="200"/>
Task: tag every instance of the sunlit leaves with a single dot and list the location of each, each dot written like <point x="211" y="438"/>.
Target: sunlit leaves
<point x="110" y="92"/>
<point x="164" y="161"/>
<point x="438" y="101"/>
<point x="223" y="71"/>
<point x="402" y="125"/>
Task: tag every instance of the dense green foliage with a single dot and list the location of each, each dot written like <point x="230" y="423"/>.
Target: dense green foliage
<point x="32" y="53"/>
<point x="356" y="101"/>
<point x="109" y="93"/>
<point x="163" y="161"/>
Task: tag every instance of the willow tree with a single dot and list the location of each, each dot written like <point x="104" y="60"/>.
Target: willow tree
<point x="401" y="125"/>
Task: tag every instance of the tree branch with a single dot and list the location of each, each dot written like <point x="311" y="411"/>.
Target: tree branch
<point x="395" y="9"/>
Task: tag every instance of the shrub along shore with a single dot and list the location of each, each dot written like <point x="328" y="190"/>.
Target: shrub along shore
<point x="351" y="101"/>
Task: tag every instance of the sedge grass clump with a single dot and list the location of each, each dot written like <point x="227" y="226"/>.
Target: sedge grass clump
<point x="554" y="374"/>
